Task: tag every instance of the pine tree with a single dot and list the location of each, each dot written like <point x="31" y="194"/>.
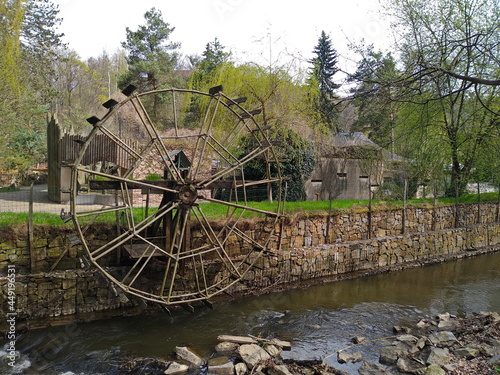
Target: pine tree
<point x="151" y="54"/>
<point x="41" y="44"/>
<point x="324" y="68"/>
<point x="213" y="56"/>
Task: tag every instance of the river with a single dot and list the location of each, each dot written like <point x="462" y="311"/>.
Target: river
<point x="318" y="320"/>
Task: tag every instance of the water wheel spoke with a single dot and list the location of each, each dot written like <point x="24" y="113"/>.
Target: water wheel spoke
<point x="236" y="165"/>
<point x="154" y="134"/>
<point x="218" y="248"/>
<point x="130" y="234"/>
<point x="169" y="252"/>
<point x="242" y="207"/>
<point x="144" y="262"/>
<point x="201" y="142"/>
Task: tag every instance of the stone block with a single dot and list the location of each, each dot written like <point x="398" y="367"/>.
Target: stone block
<point x="176" y="368"/>
<point x="189" y="356"/>
<point x="252" y="354"/>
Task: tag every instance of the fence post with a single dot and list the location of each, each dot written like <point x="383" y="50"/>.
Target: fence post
<point x="30" y="231"/>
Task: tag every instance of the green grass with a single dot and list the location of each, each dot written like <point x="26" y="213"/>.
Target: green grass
<point x="16" y="218"/>
<point x="8" y="190"/>
<point x="216" y="211"/>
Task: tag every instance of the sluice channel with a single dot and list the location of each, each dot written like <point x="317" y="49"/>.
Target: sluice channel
<point x="318" y="320"/>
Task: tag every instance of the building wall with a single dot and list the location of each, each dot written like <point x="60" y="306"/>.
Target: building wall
<point x="341" y="179"/>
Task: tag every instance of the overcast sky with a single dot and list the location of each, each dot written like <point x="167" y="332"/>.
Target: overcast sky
<point x="250" y="29"/>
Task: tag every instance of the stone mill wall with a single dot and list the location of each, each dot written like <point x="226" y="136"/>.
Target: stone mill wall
<point x="311" y="247"/>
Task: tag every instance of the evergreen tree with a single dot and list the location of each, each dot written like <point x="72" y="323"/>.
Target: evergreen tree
<point x="213" y="56"/>
<point x="151" y="54"/>
<point x="372" y="96"/>
<point x="40" y="45"/>
<point x="324" y="68"/>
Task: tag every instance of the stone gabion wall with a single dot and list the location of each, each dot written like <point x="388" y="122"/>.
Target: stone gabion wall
<point x="50" y="244"/>
<point x="80" y="292"/>
<point x="304" y="255"/>
<point x="353" y="226"/>
<point x="302" y="264"/>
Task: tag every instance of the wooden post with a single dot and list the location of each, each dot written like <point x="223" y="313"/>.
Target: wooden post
<point x="478" y="203"/>
<point x="434" y="212"/>
<point x="328" y="219"/>
<point x="498" y="205"/>
<point x="369" y="207"/>
<point x="405" y="189"/>
<point x="30" y="231"/>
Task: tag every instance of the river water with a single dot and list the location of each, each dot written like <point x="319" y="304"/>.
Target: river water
<point x="318" y="320"/>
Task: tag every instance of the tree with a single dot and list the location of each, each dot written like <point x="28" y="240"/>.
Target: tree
<point x="40" y="46"/>
<point x="372" y="96"/>
<point x="465" y="33"/>
<point x="213" y="56"/>
<point x="151" y="54"/>
<point x="324" y="68"/>
<point x="297" y="162"/>
<point x="82" y="87"/>
<point x="11" y="17"/>
<point x="446" y="44"/>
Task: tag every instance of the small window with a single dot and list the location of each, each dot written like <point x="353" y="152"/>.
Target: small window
<point x="342" y="175"/>
<point x="316" y="180"/>
<point x="363" y="176"/>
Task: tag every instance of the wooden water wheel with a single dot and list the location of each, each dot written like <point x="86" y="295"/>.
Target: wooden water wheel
<point x="155" y="165"/>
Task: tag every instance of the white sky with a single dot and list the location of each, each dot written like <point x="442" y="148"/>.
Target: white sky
<point x="283" y="27"/>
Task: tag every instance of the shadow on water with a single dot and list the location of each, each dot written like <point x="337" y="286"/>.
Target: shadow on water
<point x="318" y="320"/>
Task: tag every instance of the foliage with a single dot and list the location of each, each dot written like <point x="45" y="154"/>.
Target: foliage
<point x="213" y="57"/>
<point x="151" y="54"/>
<point x="40" y="45"/>
<point x="297" y="160"/>
<point x="372" y="96"/>
<point x="449" y="45"/>
<point x="324" y="67"/>
<point x="11" y="17"/>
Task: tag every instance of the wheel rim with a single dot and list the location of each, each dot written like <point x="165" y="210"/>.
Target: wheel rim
<point x="155" y="169"/>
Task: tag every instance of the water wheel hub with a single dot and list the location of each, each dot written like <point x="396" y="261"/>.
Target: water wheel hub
<point x="188" y="194"/>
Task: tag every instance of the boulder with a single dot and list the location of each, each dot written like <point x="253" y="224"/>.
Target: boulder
<point x="370" y="368"/>
<point x="423" y="324"/>
<point x="240" y="369"/>
<point x="278" y="370"/>
<point x="359" y="339"/>
<point x="252" y="354"/>
<point x="438" y="356"/>
<point x="495" y="360"/>
<point x="222" y="369"/>
<point x="434" y="370"/>
<point x="389" y="354"/>
<point x="226" y="347"/>
<point x="443" y="338"/>
<point x="448" y="325"/>
<point x="187" y="355"/>
<point x="467" y="352"/>
<point x="176" y="369"/>
<point x="343" y="357"/>
<point x="409" y="365"/>
<point x="273" y="350"/>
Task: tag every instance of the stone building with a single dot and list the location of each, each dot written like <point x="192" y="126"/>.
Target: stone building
<point x="351" y="168"/>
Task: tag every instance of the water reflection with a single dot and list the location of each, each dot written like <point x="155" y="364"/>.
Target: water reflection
<point x="318" y="320"/>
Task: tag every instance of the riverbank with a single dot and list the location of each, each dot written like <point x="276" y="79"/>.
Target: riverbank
<point x="437" y="345"/>
<point x="317" y="320"/>
<point x="54" y="281"/>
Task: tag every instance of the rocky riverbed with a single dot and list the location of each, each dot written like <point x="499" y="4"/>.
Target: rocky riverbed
<point x="437" y="345"/>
